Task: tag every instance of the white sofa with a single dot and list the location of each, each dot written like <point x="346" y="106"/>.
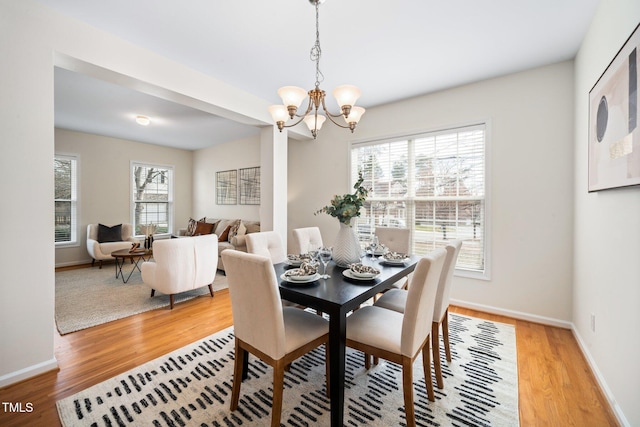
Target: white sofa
<point x="100" y="251"/>
<point x="181" y="265"/>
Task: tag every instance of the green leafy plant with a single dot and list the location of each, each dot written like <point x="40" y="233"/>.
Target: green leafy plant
<point x="346" y="207"/>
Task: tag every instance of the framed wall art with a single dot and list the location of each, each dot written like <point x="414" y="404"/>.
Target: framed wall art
<point x="614" y="135"/>
<point x="250" y="186"/>
<point x="227" y="187"/>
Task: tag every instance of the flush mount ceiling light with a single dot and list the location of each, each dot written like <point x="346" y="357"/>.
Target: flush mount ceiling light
<point x="143" y="120"/>
<point x="292" y="97"/>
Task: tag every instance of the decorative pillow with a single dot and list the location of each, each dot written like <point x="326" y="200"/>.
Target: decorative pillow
<point x="252" y="226"/>
<point x="109" y="234"/>
<point x="225" y="234"/>
<point x="235" y="228"/>
<point x="191" y="227"/>
<point x="203" y="228"/>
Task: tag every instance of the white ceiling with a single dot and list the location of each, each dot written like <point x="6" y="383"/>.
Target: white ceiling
<point x="391" y="49"/>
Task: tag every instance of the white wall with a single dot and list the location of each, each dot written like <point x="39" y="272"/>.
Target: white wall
<point x="530" y="176"/>
<point x="607" y="234"/>
<point x="104" y="182"/>
<point x="244" y="153"/>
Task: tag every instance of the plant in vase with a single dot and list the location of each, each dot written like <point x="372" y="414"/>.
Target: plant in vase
<point x="346" y="248"/>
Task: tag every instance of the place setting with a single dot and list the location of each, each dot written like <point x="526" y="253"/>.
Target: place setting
<point x="361" y="272"/>
<point x="305" y="266"/>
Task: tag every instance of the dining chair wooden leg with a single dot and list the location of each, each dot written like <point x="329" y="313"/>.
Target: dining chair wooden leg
<point x="445" y="334"/>
<point x="237" y="375"/>
<point x="278" y="386"/>
<point x="211" y="289"/>
<point x="367" y="361"/>
<point x="426" y="367"/>
<point x="435" y="347"/>
<point x="407" y="387"/>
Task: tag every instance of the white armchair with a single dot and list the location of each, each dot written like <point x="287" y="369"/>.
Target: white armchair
<point x="100" y="245"/>
<point x="182" y="265"/>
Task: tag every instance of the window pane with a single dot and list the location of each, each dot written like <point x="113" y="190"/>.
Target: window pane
<point x="64" y="170"/>
<point x="432" y="184"/>
<point x="152" y="197"/>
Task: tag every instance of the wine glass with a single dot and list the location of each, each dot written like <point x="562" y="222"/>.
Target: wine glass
<point x="325" y="256"/>
<point x="314" y="248"/>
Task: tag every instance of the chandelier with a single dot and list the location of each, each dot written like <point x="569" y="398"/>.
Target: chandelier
<point x="292" y="97"/>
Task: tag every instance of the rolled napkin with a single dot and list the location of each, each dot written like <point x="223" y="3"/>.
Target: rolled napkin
<point x="306" y="269"/>
<point x="362" y="270"/>
<point x="297" y="259"/>
<point x="395" y="256"/>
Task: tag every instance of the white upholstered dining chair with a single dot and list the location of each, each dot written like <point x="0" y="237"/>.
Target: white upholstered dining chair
<point x="267" y="243"/>
<point x="400" y="337"/>
<point x="397" y="240"/>
<point x="262" y="327"/>
<point x="304" y="237"/>
<point x="396" y="300"/>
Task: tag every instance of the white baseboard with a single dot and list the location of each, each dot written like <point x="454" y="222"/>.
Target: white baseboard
<point x="617" y="410"/>
<point x="514" y="314"/>
<point x="72" y="263"/>
<point x="28" y="372"/>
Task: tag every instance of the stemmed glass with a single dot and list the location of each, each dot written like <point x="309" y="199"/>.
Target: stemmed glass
<point x="325" y="256"/>
<point x="314" y="249"/>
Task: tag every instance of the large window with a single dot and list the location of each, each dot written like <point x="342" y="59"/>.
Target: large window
<point x="152" y="195"/>
<point x="65" y="199"/>
<point x="432" y="183"/>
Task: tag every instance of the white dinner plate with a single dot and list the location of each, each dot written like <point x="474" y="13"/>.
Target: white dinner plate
<point x="293" y="263"/>
<point x="349" y="274"/>
<point x="376" y="253"/>
<point x="395" y="261"/>
<point x="296" y="281"/>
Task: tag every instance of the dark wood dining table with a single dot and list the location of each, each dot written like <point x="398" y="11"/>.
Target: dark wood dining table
<point x="337" y="296"/>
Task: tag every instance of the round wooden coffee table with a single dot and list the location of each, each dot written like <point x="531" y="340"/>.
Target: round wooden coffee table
<point x="135" y="257"/>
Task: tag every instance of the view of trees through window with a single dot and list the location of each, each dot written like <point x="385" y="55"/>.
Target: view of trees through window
<point x="152" y="197"/>
<point x="433" y="184"/>
<point x="64" y="170"/>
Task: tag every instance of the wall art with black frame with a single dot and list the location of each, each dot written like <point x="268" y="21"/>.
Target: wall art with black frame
<point x="614" y="134"/>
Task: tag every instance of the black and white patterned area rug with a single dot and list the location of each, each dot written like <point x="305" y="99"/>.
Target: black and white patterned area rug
<point x="192" y="387"/>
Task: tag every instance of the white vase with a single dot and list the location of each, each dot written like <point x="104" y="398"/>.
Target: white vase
<point x="346" y="247"/>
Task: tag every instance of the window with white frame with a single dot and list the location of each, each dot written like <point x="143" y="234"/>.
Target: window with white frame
<point x="65" y="169"/>
<point x="152" y="195"/>
<point x="433" y="184"/>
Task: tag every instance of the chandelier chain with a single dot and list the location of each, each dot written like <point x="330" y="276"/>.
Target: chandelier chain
<point x="316" y="51"/>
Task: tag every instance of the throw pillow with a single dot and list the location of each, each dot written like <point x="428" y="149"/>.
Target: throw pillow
<point x="225" y="234"/>
<point x="234" y="229"/>
<point x="203" y="228"/>
<point x="191" y="227"/>
<point x="109" y="234"/>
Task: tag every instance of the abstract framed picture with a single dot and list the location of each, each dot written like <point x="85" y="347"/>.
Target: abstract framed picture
<point x="614" y="134"/>
<point x="250" y="186"/>
<point x="227" y="187"/>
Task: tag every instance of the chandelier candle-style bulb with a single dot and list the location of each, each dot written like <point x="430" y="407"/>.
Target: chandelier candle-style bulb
<point x="292" y="97"/>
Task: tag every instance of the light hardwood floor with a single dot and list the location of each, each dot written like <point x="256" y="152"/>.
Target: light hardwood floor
<point x="556" y="386"/>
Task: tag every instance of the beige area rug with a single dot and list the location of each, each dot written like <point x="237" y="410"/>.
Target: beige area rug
<point x="88" y="297"/>
<point x="192" y="387"/>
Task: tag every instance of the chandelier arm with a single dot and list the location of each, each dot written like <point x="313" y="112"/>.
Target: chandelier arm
<point x="329" y="116"/>
<point x="306" y="113"/>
